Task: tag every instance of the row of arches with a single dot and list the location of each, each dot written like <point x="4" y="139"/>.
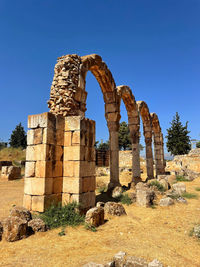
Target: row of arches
<point x="68" y="97"/>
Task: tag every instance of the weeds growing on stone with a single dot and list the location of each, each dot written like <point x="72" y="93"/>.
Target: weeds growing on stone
<point x="159" y="186"/>
<point x="58" y="215"/>
<point x="189" y="195"/>
<point x="181" y="178"/>
<point x="125" y="199"/>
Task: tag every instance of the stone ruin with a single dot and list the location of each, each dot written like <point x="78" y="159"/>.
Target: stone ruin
<point x="60" y="157"/>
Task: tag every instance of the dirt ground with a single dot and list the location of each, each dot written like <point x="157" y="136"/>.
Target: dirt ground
<point x="161" y="233"/>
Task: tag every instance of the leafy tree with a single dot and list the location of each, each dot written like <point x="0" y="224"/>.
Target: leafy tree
<point x="178" y="141"/>
<point x="103" y="146"/>
<point x="3" y="145"/>
<point x="124" y="136"/>
<point x="198" y="144"/>
<point x="18" y="137"/>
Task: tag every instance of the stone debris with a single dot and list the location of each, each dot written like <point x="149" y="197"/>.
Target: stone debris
<point x="14" y="228"/>
<point x="21" y="212"/>
<point x="95" y="216"/>
<point x="100" y="204"/>
<point x="144" y="195"/>
<point x="179" y="188"/>
<point x="10" y="172"/>
<point x="37" y="225"/>
<point x="181" y="200"/>
<point x="117" y="192"/>
<point x="155" y="263"/>
<point x="167" y="201"/>
<point x="114" y="208"/>
<point x="5" y="163"/>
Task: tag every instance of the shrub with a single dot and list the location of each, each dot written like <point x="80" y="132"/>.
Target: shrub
<point x="197" y="188"/>
<point x="180" y="178"/>
<point x="58" y="215"/>
<point x="90" y="227"/>
<point x="189" y="195"/>
<point x="125" y="199"/>
<point x="102" y="189"/>
<point x="159" y="186"/>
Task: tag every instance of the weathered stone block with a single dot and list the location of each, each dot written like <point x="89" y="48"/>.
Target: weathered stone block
<point x="60" y="137"/>
<point x="60" y="122"/>
<point x="72" y="153"/>
<point x="35" y="136"/>
<point x="76" y="138"/>
<point x="87" y="168"/>
<point x="95" y="216"/>
<point x="38" y="186"/>
<point x="58" y="153"/>
<point x="71" y="168"/>
<point x="72" y="185"/>
<point x="57" y="169"/>
<point x="30" y="169"/>
<point x="49" y="136"/>
<point x="72" y="123"/>
<point x="66" y="197"/>
<point x="67" y="139"/>
<point x="57" y="185"/>
<point x="40" y="203"/>
<point x="44" y="169"/>
<point x="88" y="184"/>
<point x="43" y="120"/>
<point x="31" y="154"/>
<point x="27" y="201"/>
<point x="10" y="172"/>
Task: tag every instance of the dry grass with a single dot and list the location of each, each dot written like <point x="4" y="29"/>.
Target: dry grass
<point x="161" y="233"/>
<point x="11" y="154"/>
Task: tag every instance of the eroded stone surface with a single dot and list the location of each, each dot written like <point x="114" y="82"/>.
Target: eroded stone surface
<point x="113" y="208"/>
<point x="95" y="216"/>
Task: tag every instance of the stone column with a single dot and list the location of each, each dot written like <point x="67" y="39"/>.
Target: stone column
<point x="79" y="181"/>
<point x="158" y="154"/>
<point x="43" y="170"/>
<point x="114" y="154"/>
<point x="149" y="157"/>
<point x="162" y="152"/>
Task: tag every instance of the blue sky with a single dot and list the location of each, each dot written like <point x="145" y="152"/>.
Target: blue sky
<point x="152" y="46"/>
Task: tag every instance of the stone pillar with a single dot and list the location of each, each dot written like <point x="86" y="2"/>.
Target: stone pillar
<point x="114" y="154"/>
<point x="149" y="157"/>
<point x="158" y="154"/>
<point x="79" y="181"/>
<point x="43" y="170"/>
<point x="162" y="152"/>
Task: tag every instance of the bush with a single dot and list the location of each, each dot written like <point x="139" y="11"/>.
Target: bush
<point x="189" y="195"/>
<point x="197" y="188"/>
<point x="90" y="227"/>
<point x="159" y="186"/>
<point x="180" y="178"/>
<point x="58" y="215"/>
<point x="125" y="199"/>
<point x="102" y="189"/>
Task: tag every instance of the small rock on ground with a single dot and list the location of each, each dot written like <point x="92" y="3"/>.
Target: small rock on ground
<point x="114" y="208"/>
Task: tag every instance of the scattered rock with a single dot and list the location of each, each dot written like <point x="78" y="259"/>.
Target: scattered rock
<point x="179" y="188"/>
<point x="144" y="195"/>
<point x="155" y="263"/>
<point x="37" y="225"/>
<point x="93" y="264"/>
<point x="119" y="259"/>
<point x="95" y="216"/>
<point x="11" y="172"/>
<point x="100" y="204"/>
<point x="164" y="183"/>
<point x="135" y="261"/>
<point x="132" y="196"/>
<point x="21" y="212"/>
<point x="14" y="228"/>
<point x="197" y="231"/>
<point x="113" y="208"/>
<point x="181" y="200"/>
<point x="167" y="201"/>
<point x="117" y="192"/>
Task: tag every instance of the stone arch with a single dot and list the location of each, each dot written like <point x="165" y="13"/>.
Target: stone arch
<point x="158" y="144"/>
<point x="68" y="97"/>
<point x="147" y="129"/>
<point x="128" y="98"/>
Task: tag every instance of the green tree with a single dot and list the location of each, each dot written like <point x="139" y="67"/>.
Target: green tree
<point x="103" y="146"/>
<point x="18" y="137"/>
<point x="178" y="141"/>
<point x="124" y="136"/>
<point x="198" y="144"/>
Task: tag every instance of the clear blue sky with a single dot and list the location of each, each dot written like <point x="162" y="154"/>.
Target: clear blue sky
<point x="151" y="45"/>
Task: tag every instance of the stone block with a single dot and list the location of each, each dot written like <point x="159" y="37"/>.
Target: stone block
<point x="95" y="216"/>
<point x="31" y="154"/>
<point x="73" y="123"/>
<point x="30" y="137"/>
<point x="49" y="136"/>
<point x="111" y="107"/>
<point x="71" y="168"/>
<point x="72" y="185"/>
<point x="60" y="122"/>
<point x="60" y="137"/>
<point x="38" y="186"/>
<point x="59" y="153"/>
<point x="88" y="184"/>
<point x="44" y="169"/>
<point x="30" y="169"/>
<point x="41" y="203"/>
<point x="67" y="138"/>
<point x="90" y="154"/>
<point x="44" y="120"/>
<point x="27" y="201"/>
<point x="11" y="172"/>
<point x="45" y="152"/>
<point x="57" y="185"/>
<point x="57" y="168"/>
<point x="76" y="138"/>
<point x="72" y="153"/>
<point x="87" y="169"/>
<point x="66" y="198"/>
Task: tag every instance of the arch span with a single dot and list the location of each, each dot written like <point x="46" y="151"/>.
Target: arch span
<point x="68" y="97"/>
<point x="158" y="144"/>
<point x="147" y="129"/>
<point x="128" y="98"/>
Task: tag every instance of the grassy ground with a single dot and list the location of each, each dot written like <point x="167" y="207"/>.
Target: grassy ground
<point x="12" y="154"/>
<point x="161" y="233"/>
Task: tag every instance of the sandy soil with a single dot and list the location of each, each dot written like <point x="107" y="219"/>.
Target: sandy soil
<point x="161" y="233"/>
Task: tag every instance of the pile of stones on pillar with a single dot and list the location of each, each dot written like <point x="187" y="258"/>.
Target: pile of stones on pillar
<point x="79" y="181"/>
